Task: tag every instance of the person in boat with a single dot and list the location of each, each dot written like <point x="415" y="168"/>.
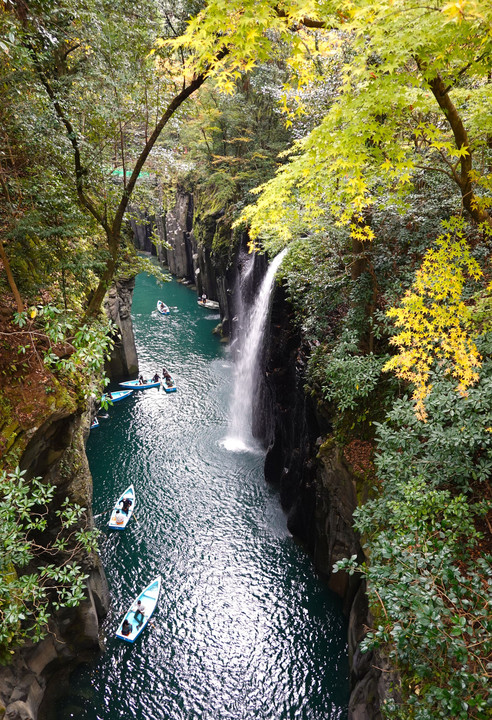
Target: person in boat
<point x="156" y="378"/>
<point x="126" y="628"/>
<point x="125" y="505"/>
<point x="141" y="380"/>
<point x="139" y="613"/>
<point x="169" y="381"/>
<point x="118" y="517"/>
<point x="110" y="396"/>
<point x="204" y="299"/>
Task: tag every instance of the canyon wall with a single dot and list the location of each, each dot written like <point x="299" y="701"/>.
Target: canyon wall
<point x="185" y="245"/>
<point x="50" y="444"/>
<point x="54" y="450"/>
<point x="123" y="362"/>
<point x="319" y="492"/>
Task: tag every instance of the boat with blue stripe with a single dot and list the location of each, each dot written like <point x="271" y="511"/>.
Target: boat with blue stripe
<point x="140" y="613"/>
<point x="138" y="385"/>
<point x="169" y="384"/>
<point x="162" y="308"/>
<point x="115" y="396"/>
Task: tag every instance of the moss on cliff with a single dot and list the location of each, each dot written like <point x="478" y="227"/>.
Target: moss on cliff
<point x="27" y="403"/>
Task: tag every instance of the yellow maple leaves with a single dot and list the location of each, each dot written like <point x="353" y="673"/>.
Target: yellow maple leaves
<point x="436" y="320"/>
<point x="457" y="11"/>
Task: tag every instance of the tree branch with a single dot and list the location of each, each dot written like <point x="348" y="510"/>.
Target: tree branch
<point x="306" y="22"/>
<point x="84" y="200"/>
<point x="463" y="180"/>
<point x="170" y="110"/>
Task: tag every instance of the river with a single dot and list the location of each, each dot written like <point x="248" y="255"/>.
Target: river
<point x="244" y="629"/>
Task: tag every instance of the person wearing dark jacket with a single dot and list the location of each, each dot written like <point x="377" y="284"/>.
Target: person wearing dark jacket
<point x="125" y="505"/>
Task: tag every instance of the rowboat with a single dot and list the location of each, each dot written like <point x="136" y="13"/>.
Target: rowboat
<point x="95" y="423"/>
<point x="209" y="304"/>
<point x="171" y="387"/>
<point x="136" y="622"/>
<point x="137" y="385"/>
<point x="120" y="519"/>
<point x="115" y="396"/>
<point x="162" y="308"/>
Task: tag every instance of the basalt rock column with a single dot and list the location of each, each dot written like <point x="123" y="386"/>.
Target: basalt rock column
<point x="118" y="305"/>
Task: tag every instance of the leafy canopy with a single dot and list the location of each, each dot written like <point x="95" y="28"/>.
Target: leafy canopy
<point x="83" y="89"/>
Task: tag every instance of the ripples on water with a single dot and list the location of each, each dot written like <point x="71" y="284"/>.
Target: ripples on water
<point x="243" y="628"/>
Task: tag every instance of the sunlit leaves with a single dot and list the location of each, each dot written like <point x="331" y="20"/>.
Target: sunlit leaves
<point x="434" y="319"/>
<point x="384" y="115"/>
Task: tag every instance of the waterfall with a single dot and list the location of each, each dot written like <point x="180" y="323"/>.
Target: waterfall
<point x="252" y="328"/>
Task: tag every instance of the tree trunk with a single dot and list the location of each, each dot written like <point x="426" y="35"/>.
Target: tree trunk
<point x="463" y="178"/>
<point x="10" y="278"/>
<point x="105" y="280"/>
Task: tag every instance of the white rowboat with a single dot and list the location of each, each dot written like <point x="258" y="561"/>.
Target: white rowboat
<point x="209" y="304"/>
<point x="119" y="519"/>
<point x="162" y="308"/>
<point x="136" y="622"/>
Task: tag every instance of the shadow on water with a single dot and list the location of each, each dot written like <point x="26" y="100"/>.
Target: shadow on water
<point x="244" y="629"/>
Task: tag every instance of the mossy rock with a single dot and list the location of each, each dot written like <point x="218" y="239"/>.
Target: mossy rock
<point x="327" y="447"/>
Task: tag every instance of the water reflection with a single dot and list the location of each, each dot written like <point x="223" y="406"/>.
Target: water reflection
<point x="243" y="628"/>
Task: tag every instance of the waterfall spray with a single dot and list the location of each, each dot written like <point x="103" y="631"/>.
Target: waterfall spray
<point x="247" y="362"/>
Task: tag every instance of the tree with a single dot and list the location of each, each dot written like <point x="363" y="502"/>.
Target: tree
<point x="413" y="84"/>
<point x="430" y="566"/>
<point x="435" y="319"/>
<point x="392" y="113"/>
<point x="67" y="67"/>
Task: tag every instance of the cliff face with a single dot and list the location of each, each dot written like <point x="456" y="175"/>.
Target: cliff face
<point x="55" y="451"/>
<point x="318" y="491"/>
<point x="186" y="248"/>
<point x="141" y="226"/>
<point x="118" y="304"/>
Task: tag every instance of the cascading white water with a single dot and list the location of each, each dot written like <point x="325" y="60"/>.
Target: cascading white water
<point x="246" y="367"/>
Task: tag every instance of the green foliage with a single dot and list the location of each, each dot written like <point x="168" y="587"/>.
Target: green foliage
<point x="83" y="88"/>
<point x="132" y="263"/>
<point x="37" y="574"/>
<point x="350" y="375"/>
<point x="232" y="144"/>
<point x="393" y="107"/>
<point x="455" y="444"/>
<point x="76" y="354"/>
<point x="317" y="284"/>
<point x="427" y="578"/>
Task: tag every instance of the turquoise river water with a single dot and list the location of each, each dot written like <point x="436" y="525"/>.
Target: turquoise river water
<point x="244" y="629"/>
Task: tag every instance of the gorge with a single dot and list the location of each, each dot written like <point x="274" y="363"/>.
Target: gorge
<point x="203" y="139"/>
